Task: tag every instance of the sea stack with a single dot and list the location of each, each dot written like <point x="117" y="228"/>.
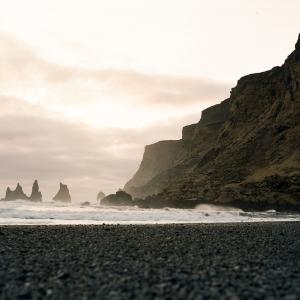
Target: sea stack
<point x="8" y="194"/>
<point x="63" y="194"/>
<point x="36" y="195"/>
<point x="17" y="194"/>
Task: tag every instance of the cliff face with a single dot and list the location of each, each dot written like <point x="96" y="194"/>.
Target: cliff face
<point x="166" y="159"/>
<point x="245" y="149"/>
<point x="157" y="158"/>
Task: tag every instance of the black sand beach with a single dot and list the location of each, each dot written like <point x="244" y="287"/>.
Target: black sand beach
<point x="231" y="261"/>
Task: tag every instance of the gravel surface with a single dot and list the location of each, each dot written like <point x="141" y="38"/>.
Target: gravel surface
<point x="203" y="261"/>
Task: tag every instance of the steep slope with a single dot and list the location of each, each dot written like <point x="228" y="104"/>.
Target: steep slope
<point x="163" y="156"/>
<point x="244" y="150"/>
<point x="157" y="158"/>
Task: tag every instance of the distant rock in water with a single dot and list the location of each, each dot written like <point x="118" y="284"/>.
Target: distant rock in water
<point x="119" y="198"/>
<point x="17" y="194"/>
<point x="85" y="203"/>
<point x="8" y="195"/>
<point x="63" y="194"/>
<point x="36" y="195"/>
<point x="100" y="196"/>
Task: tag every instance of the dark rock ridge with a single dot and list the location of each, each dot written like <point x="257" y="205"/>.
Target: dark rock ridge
<point x="63" y="194"/>
<point x="18" y="193"/>
<point x="244" y="150"/>
<point x="119" y="198"/>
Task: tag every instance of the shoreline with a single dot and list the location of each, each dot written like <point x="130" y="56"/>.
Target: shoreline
<point x="77" y="224"/>
<point x="166" y="225"/>
<point x="21" y="213"/>
<point x="173" y="261"/>
<point x="176" y="204"/>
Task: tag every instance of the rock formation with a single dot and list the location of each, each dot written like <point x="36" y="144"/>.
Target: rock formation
<point x="63" y="194"/>
<point x="36" y="195"/>
<point x="119" y="198"/>
<point x="100" y="196"/>
<point x="17" y="194"/>
<point x="243" y="151"/>
<point x="157" y="158"/>
<point x="8" y="195"/>
<point x="163" y="156"/>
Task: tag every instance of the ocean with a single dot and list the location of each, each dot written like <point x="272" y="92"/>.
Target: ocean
<point x="52" y="213"/>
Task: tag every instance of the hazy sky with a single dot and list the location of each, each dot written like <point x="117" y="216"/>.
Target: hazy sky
<point x="85" y="84"/>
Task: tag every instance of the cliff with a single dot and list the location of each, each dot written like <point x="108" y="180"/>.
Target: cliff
<point x="165" y="159"/>
<point x="244" y="150"/>
<point x="157" y="158"/>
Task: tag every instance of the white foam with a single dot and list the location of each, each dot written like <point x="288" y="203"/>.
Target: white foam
<point x="48" y="213"/>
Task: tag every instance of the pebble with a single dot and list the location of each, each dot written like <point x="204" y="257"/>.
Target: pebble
<point x="188" y="262"/>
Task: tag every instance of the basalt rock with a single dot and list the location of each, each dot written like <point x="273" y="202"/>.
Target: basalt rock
<point x="119" y="198"/>
<point x="63" y="194"/>
<point x="17" y="194"/>
<point x="36" y="195"/>
<point x="244" y="150"/>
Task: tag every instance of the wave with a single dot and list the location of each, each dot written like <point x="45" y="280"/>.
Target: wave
<point x="24" y="212"/>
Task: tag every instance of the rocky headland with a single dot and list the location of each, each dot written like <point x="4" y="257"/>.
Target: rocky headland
<point x="244" y="151"/>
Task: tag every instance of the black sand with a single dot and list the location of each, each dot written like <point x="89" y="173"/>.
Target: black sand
<point x="232" y="261"/>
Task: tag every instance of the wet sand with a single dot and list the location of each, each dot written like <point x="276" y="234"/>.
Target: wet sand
<point x="203" y="261"/>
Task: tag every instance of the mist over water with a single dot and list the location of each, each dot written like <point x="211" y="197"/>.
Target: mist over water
<point x="216" y="208"/>
<point x="51" y="213"/>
